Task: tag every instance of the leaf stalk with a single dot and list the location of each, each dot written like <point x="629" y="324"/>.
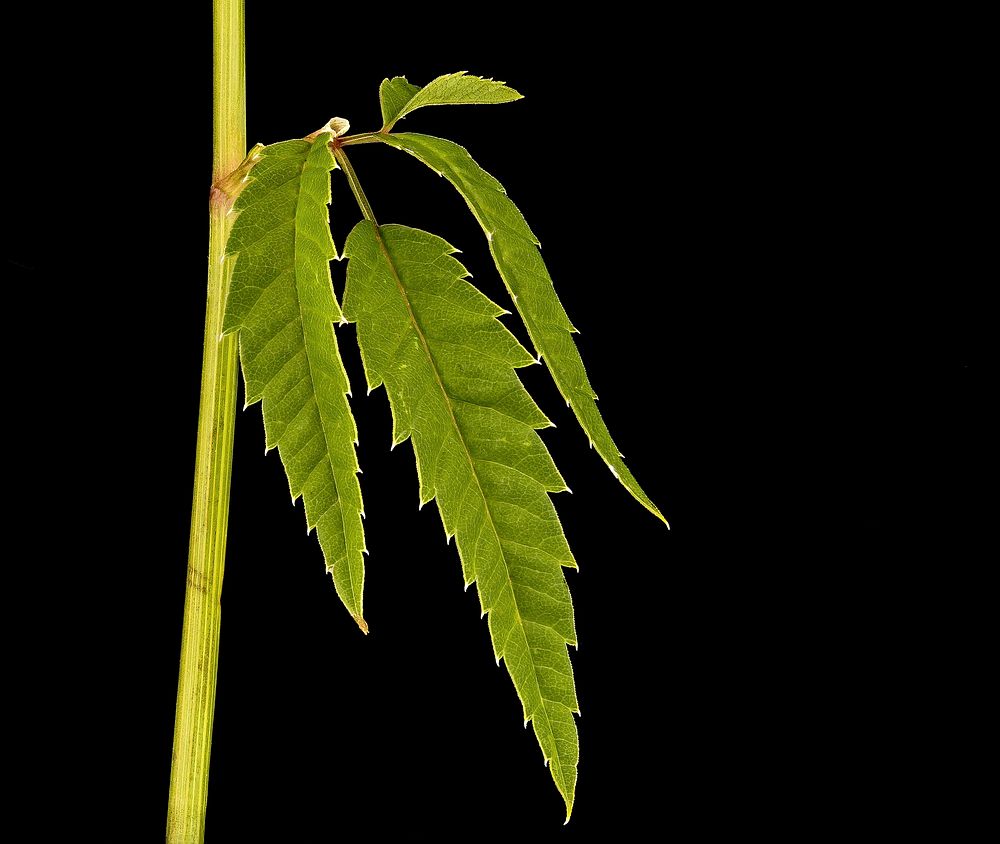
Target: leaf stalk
<point x="360" y="138"/>
<point x="352" y="180"/>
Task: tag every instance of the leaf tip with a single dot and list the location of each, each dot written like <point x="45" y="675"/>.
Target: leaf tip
<point x="361" y="623"/>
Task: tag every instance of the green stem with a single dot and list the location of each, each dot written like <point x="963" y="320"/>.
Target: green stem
<point x="214" y="456"/>
<point x="363" y="138"/>
<point x="352" y="180"/>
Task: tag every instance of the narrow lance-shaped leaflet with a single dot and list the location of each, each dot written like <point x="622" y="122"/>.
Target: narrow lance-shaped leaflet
<point x="282" y="304"/>
<point x="516" y="254"/>
<point x="448" y="366"/>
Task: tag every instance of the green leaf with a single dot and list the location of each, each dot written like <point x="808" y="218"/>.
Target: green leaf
<point x="281" y="301"/>
<point x="515" y="251"/>
<point x="399" y="97"/>
<point x="393" y="95"/>
<point x="448" y="367"/>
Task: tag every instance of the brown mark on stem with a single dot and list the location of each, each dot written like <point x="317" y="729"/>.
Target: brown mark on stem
<point x="197" y="580"/>
<point x="224" y="191"/>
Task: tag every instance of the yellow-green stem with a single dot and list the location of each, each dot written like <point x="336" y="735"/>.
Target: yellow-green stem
<point x="214" y="457"/>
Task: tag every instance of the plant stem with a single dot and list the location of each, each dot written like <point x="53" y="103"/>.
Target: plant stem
<point x="214" y="456"/>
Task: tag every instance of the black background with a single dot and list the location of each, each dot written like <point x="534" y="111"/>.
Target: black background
<point x="759" y="235"/>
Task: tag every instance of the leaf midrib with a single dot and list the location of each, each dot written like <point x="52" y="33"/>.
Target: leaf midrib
<point x="472" y="466"/>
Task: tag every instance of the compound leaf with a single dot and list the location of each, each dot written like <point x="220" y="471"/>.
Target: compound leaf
<point x="448" y="366"/>
<point x="515" y="252"/>
<point x="282" y="304"/>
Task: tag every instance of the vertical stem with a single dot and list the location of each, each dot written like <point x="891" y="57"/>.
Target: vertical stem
<point x="214" y="457"/>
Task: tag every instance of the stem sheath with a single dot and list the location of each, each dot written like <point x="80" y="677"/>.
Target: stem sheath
<point x="214" y="456"/>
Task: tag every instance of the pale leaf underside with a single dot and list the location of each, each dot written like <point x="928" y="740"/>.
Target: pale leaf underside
<point x="281" y="301"/>
<point x="515" y="252"/>
<point x="448" y="366"/>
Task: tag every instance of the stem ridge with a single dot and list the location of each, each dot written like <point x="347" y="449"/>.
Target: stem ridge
<point x="214" y="456"/>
